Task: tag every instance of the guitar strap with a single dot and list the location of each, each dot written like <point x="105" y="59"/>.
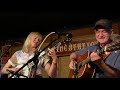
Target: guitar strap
<point x="101" y="51"/>
<point x="105" y="55"/>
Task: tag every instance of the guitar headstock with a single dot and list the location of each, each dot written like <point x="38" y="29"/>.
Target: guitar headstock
<point x="113" y="47"/>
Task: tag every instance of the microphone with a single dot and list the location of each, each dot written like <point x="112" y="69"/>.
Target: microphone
<point x="65" y="34"/>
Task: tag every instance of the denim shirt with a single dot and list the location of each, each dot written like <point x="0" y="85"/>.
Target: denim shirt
<point x="112" y="60"/>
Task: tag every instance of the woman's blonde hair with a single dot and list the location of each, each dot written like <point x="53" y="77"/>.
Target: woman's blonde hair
<point x="28" y="40"/>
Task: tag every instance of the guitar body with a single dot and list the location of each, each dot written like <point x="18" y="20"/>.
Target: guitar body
<point x="85" y="71"/>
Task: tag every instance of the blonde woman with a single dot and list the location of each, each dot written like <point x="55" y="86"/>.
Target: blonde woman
<point x="20" y="57"/>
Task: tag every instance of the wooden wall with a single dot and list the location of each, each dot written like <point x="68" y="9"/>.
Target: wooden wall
<point x="79" y="34"/>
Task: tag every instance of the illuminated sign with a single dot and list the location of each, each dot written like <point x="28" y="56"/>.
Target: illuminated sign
<point x="67" y="48"/>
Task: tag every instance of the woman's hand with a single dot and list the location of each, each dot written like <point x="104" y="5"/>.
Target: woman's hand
<point x="52" y="53"/>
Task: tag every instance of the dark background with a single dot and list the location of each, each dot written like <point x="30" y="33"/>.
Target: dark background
<point x="18" y="19"/>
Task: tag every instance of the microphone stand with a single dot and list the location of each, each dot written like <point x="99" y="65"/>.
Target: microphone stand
<point x="3" y="55"/>
<point x="6" y="51"/>
<point x="34" y="59"/>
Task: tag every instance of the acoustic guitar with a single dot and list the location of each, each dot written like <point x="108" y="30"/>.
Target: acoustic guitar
<point x="82" y="67"/>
